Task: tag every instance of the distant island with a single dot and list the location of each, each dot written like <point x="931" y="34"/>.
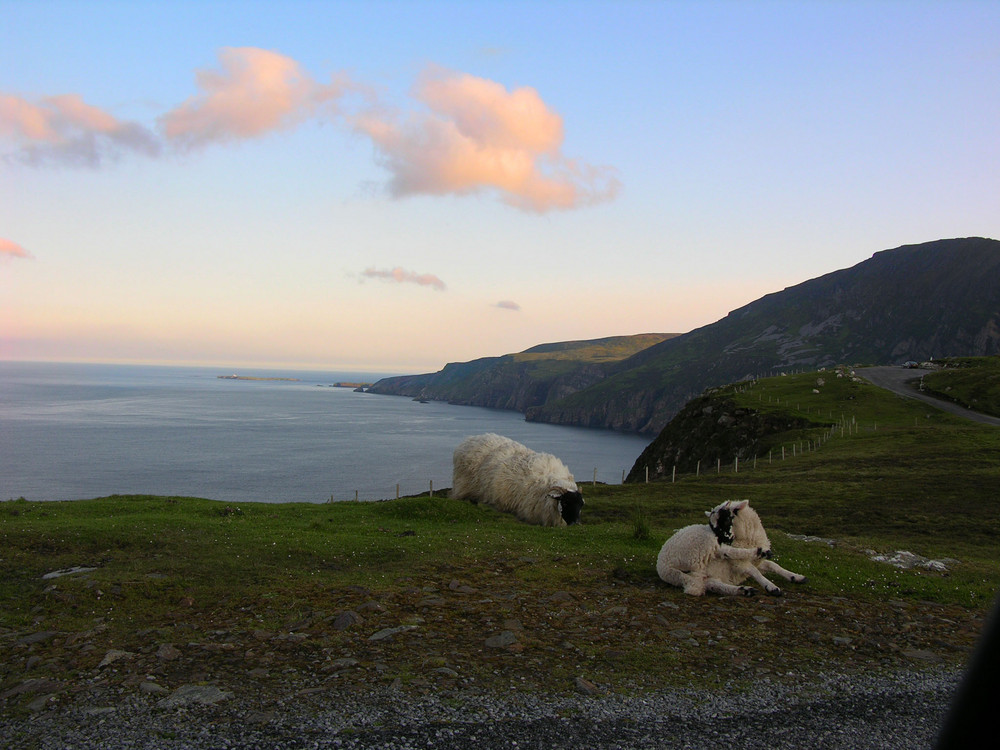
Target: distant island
<point x="248" y="377"/>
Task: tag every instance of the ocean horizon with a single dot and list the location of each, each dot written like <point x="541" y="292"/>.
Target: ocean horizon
<point x="73" y="431"/>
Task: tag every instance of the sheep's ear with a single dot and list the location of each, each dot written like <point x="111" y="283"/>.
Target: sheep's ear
<point x="708" y="513"/>
<point x="737" y="507"/>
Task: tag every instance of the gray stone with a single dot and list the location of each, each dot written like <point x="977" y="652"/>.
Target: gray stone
<point x="66" y="572"/>
<point x="115" y="655"/>
<point x="390" y="632"/>
<point x="501" y="640"/>
<point x="345" y="620"/>
<point x="151" y="688"/>
<point x="167" y="652"/>
<point x="185" y="695"/>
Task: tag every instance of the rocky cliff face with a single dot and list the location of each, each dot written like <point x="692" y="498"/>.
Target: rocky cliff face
<point x="540" y="375"/>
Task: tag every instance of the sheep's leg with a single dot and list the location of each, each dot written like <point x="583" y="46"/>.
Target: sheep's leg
<point x="769" y="587"/>
<point x="738" y="553"/>
<point x="769" y="566"/>
<point x="727" y="589"/>
<point x="692" y="584"/>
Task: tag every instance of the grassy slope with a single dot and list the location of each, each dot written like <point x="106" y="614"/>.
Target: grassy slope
<point x="235" y="586"/>
<point x="971" y="381"/>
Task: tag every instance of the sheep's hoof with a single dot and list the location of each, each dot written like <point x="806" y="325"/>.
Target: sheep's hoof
<point x="799" y="579"/>
<point x="747" y="591"/>
<point x="774" y="592"/>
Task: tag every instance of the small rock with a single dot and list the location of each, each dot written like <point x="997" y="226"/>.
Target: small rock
<point x="40" y="637"/>
<point x="501" y="640"/>
<point x="586" y="687"/>
<point x="36" y="685"/>
<point x="390" y="632"/>
<point x="67" y="572"/>
<point x="185" y="695"/>
<point x="167" y="652"/>
<point x="151" y="688"/>
<point x="561" y="596"/>
<point x="114" y="655"/>
<point x="344" y="663"/>
<point x="345" y="620"/>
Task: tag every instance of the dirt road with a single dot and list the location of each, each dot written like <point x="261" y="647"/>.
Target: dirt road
<point x="903" y="382"/>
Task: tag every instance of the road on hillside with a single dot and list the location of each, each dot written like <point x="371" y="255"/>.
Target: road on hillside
<point x="900" y="380"/>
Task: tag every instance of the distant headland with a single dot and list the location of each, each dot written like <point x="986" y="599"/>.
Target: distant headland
<point x="248" y="377"/>
<point x="340" y="384"/>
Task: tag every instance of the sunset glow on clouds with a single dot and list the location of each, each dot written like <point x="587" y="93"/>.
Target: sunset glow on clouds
<point x="473" y="136"/>
<point x="479" y="136"/>
<point x="186" y="183"/>
<point x="10" y="249"/>
<point x="256" y="92"/>
<point x="402" y="276"/>
<point x="65" y="129"/>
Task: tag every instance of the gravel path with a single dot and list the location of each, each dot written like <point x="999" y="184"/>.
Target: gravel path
<point x="829" y="711"/>
<point x="899" y="380"/>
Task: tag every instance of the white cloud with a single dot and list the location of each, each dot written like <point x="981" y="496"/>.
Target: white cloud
<point x="10" y="249"/>
<point x="256" y="92"/>
<point x="65" y="129"/>
<point x="402" y="276"/>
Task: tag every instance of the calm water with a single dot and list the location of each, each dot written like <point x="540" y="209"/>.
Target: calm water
<point x="78" y="431"/>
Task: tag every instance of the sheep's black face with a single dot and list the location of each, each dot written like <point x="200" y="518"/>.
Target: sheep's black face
<point x="570" y="505"/>
<point x="721" y="521"/>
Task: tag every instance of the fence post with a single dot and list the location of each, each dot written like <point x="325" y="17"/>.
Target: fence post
<point x="673" y="474"/>
<point x="718" y="466"/>
<point x="595" y="476"/>
<point x="736" y="465"/>
<point x="397" y="492"/>
<point x="697" y="470"/>
<point x="355" y="495"/>
<point x="432" y="488"/>
<point x="647" y="474"/>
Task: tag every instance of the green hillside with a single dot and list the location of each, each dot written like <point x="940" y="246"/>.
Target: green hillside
<point x="936" y="299"/>
<point x="285" y="598"/>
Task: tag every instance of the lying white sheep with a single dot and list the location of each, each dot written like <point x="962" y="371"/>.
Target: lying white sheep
<point x="536" y="487"/>
<point x="685" y="557"/>
<point x="719" y="556"/>
<point x="748" y="533"/>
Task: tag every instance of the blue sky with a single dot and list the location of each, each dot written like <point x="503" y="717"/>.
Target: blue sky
<point x="393" y="186"/>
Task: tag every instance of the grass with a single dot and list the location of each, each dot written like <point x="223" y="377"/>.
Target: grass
<point x="891" y="475"/>
<point x="973" y="382"/>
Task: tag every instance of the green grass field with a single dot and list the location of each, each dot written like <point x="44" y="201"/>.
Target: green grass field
<point x="877" y="473"/>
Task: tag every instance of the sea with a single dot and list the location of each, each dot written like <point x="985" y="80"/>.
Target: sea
<point x="77" y="431"/>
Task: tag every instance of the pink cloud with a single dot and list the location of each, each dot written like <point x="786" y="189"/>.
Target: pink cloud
<point x="506" y="304"/>
<point x="402" y="276"/>
<point x="480" y="136"/>
<point x="65" y="129"/>
<point x="256" y="92"/>
<point x="10" y="249"/>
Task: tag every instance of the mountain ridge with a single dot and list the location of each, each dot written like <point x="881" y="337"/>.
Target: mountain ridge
<point x="913" y="302"/>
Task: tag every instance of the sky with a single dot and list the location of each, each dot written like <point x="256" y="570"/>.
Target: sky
<point x="392" y="186"/>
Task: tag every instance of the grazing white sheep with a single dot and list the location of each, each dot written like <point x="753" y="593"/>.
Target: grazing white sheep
<point x="536" y="487"/>
<point x="748" y="533"/>
<point x="686" y="557"/>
